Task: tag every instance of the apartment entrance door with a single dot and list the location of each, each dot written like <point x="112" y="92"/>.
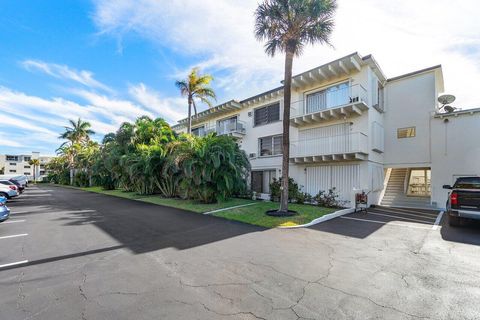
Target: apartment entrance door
<point x="419" y="182"/>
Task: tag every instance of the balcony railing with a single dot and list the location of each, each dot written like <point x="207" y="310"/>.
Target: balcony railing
<point x="334" y="145"/>
<point x="329" y="99"/>
<point x="229" y="127"/>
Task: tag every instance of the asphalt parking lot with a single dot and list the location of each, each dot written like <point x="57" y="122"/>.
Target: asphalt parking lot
<point x="69" y="254"/>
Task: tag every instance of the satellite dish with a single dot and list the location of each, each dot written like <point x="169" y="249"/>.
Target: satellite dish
<point x="448" y="109"/>
<point x="446" y="99"/>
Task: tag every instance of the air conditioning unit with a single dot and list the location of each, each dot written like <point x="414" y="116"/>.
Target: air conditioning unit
<point x="252" y="155"/>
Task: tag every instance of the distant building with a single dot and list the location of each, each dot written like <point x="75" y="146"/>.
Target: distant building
<point x="18" y="164"/>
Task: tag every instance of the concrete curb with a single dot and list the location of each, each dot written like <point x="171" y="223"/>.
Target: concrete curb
<point x="225" y="209"/>
<point x="324" y="218"/>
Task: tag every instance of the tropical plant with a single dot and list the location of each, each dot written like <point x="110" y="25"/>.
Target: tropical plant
<point x="195" y="87"/>
<point x="76" y="135"/>
<point x="287" y="26"/>
<point x="78" y="132"/>
<point x="35" y="163"/>
<point x="214" y="167"/>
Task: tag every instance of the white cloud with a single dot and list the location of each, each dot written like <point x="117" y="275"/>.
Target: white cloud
<point x="66" y="73"/>
<point x="171" y="109"/>
<point x="402" y="35"/>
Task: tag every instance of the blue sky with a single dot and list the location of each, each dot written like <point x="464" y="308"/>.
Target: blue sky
<point x="112" y="61"/>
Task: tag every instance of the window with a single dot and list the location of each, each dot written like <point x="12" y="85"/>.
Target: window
<point x="270" y="146"/>
<point x="266" y="115"/>
<point x="26" y="167"/>
<point x="261" y="180"/>
<point x="406" y="132"/>
<point x="12" y="171"/>
<point x="331" y="97"/>
<point x="26" y="173"/>
<point x="199" y="131"/>
<point x="13" y="163"/>
<point x="225" y="126"/>
<point x="12" y="158"/>
<point x="27" y="158"/>
<point x="467" y="183"/>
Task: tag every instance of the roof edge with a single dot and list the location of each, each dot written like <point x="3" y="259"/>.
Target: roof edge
<point x="414" y="73"/>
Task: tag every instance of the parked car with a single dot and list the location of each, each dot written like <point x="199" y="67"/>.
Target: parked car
<point x="22" y="179"/>
<point x="464" y="200"/>
<point x="19" y="186"/>
<point x="8" y="191"/>
<point x="10" y="183"/>
<point x="4" y="211"/>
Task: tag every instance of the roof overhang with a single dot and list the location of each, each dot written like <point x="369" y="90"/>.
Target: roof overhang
<point x="226" y="107"/>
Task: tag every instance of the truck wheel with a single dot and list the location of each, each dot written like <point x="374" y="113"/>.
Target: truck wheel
<point x="454" y="221"/>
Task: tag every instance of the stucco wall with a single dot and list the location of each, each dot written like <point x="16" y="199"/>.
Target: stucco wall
<point x="455" y="151"/>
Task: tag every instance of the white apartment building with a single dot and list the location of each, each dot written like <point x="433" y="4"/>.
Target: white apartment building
<point x="354" y="129"/>
<point x="18" y="164"/>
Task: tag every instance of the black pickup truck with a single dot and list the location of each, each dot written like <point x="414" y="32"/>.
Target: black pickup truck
<point x="464" y="200"/>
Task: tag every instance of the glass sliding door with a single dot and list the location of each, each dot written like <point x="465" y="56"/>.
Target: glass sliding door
<point x="331" y="97"/>
<point x="419" y="183"/>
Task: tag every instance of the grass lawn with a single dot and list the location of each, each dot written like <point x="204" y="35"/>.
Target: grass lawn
<point x="255" y="214"/>
<point x="190" y="205"/>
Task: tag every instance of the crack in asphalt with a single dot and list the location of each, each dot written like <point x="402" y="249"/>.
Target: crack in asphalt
<point x="203" y="305"/>
<point x="83" y="295"/>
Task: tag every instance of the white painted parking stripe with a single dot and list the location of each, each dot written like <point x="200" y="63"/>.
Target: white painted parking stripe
<point x="387" y="223"/>
<point x="14" y="236"/>
<point x="13" y="264"/>
<point x="399" y="217"/>
<point x="437" y="221"/>
<point x="12" y="221"/>
<point x="404" y="213"/>
<point x="407" y="211"/>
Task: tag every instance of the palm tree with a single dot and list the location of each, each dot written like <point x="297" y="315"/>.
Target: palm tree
<point x="79" y="132"/>
<point x="76" y="135"/>
<point x="35" y="163"/>
<point x="196" y="87"/>
<point x="287" y="26"/>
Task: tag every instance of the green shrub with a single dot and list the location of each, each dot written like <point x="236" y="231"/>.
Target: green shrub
<point x="328" y="199"/>
<point x="275" y="191"/>
<point x="81" y="179"/>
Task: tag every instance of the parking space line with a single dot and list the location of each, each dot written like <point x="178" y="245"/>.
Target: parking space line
<point x="13" y="264"/>
<point x="390" y="223"/>
<point x="437" y="221"/>
<point x="12" y="221"/>
<point x="407" y="214"/>
<point x="433" y="215"/>
<point x="14" y="236"/>
<point x="399" y="217"/>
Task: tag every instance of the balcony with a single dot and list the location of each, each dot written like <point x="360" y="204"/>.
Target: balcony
<point x="337" y="102"/>
<point x="235" y="128"/>
<point x="349" y="147"/>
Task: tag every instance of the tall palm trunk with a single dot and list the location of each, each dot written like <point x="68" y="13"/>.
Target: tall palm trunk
<point x="189" y="129"/>
<point x="287" y="96"/>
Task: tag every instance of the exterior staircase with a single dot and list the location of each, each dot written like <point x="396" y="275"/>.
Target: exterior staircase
<point x="395" y="194"/>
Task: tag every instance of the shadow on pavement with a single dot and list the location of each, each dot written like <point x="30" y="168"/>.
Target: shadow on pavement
<point x="138" y="226"/>
<point x="468" y="233"/>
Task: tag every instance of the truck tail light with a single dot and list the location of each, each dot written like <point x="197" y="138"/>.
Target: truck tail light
<point x="13" y="187"/>
<point x="453" y="198"/>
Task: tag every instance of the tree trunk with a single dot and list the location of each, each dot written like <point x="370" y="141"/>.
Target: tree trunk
<point x="287" y="97"/>
<point x="71" y="176"/>
<point x="189" y="128"/>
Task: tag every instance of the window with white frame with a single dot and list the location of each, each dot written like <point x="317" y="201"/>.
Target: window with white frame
<point x="267" y="114"/>
<point x="330" y="97"/>
<point x="199" y="131"/>
<point x="270" y="146"/>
